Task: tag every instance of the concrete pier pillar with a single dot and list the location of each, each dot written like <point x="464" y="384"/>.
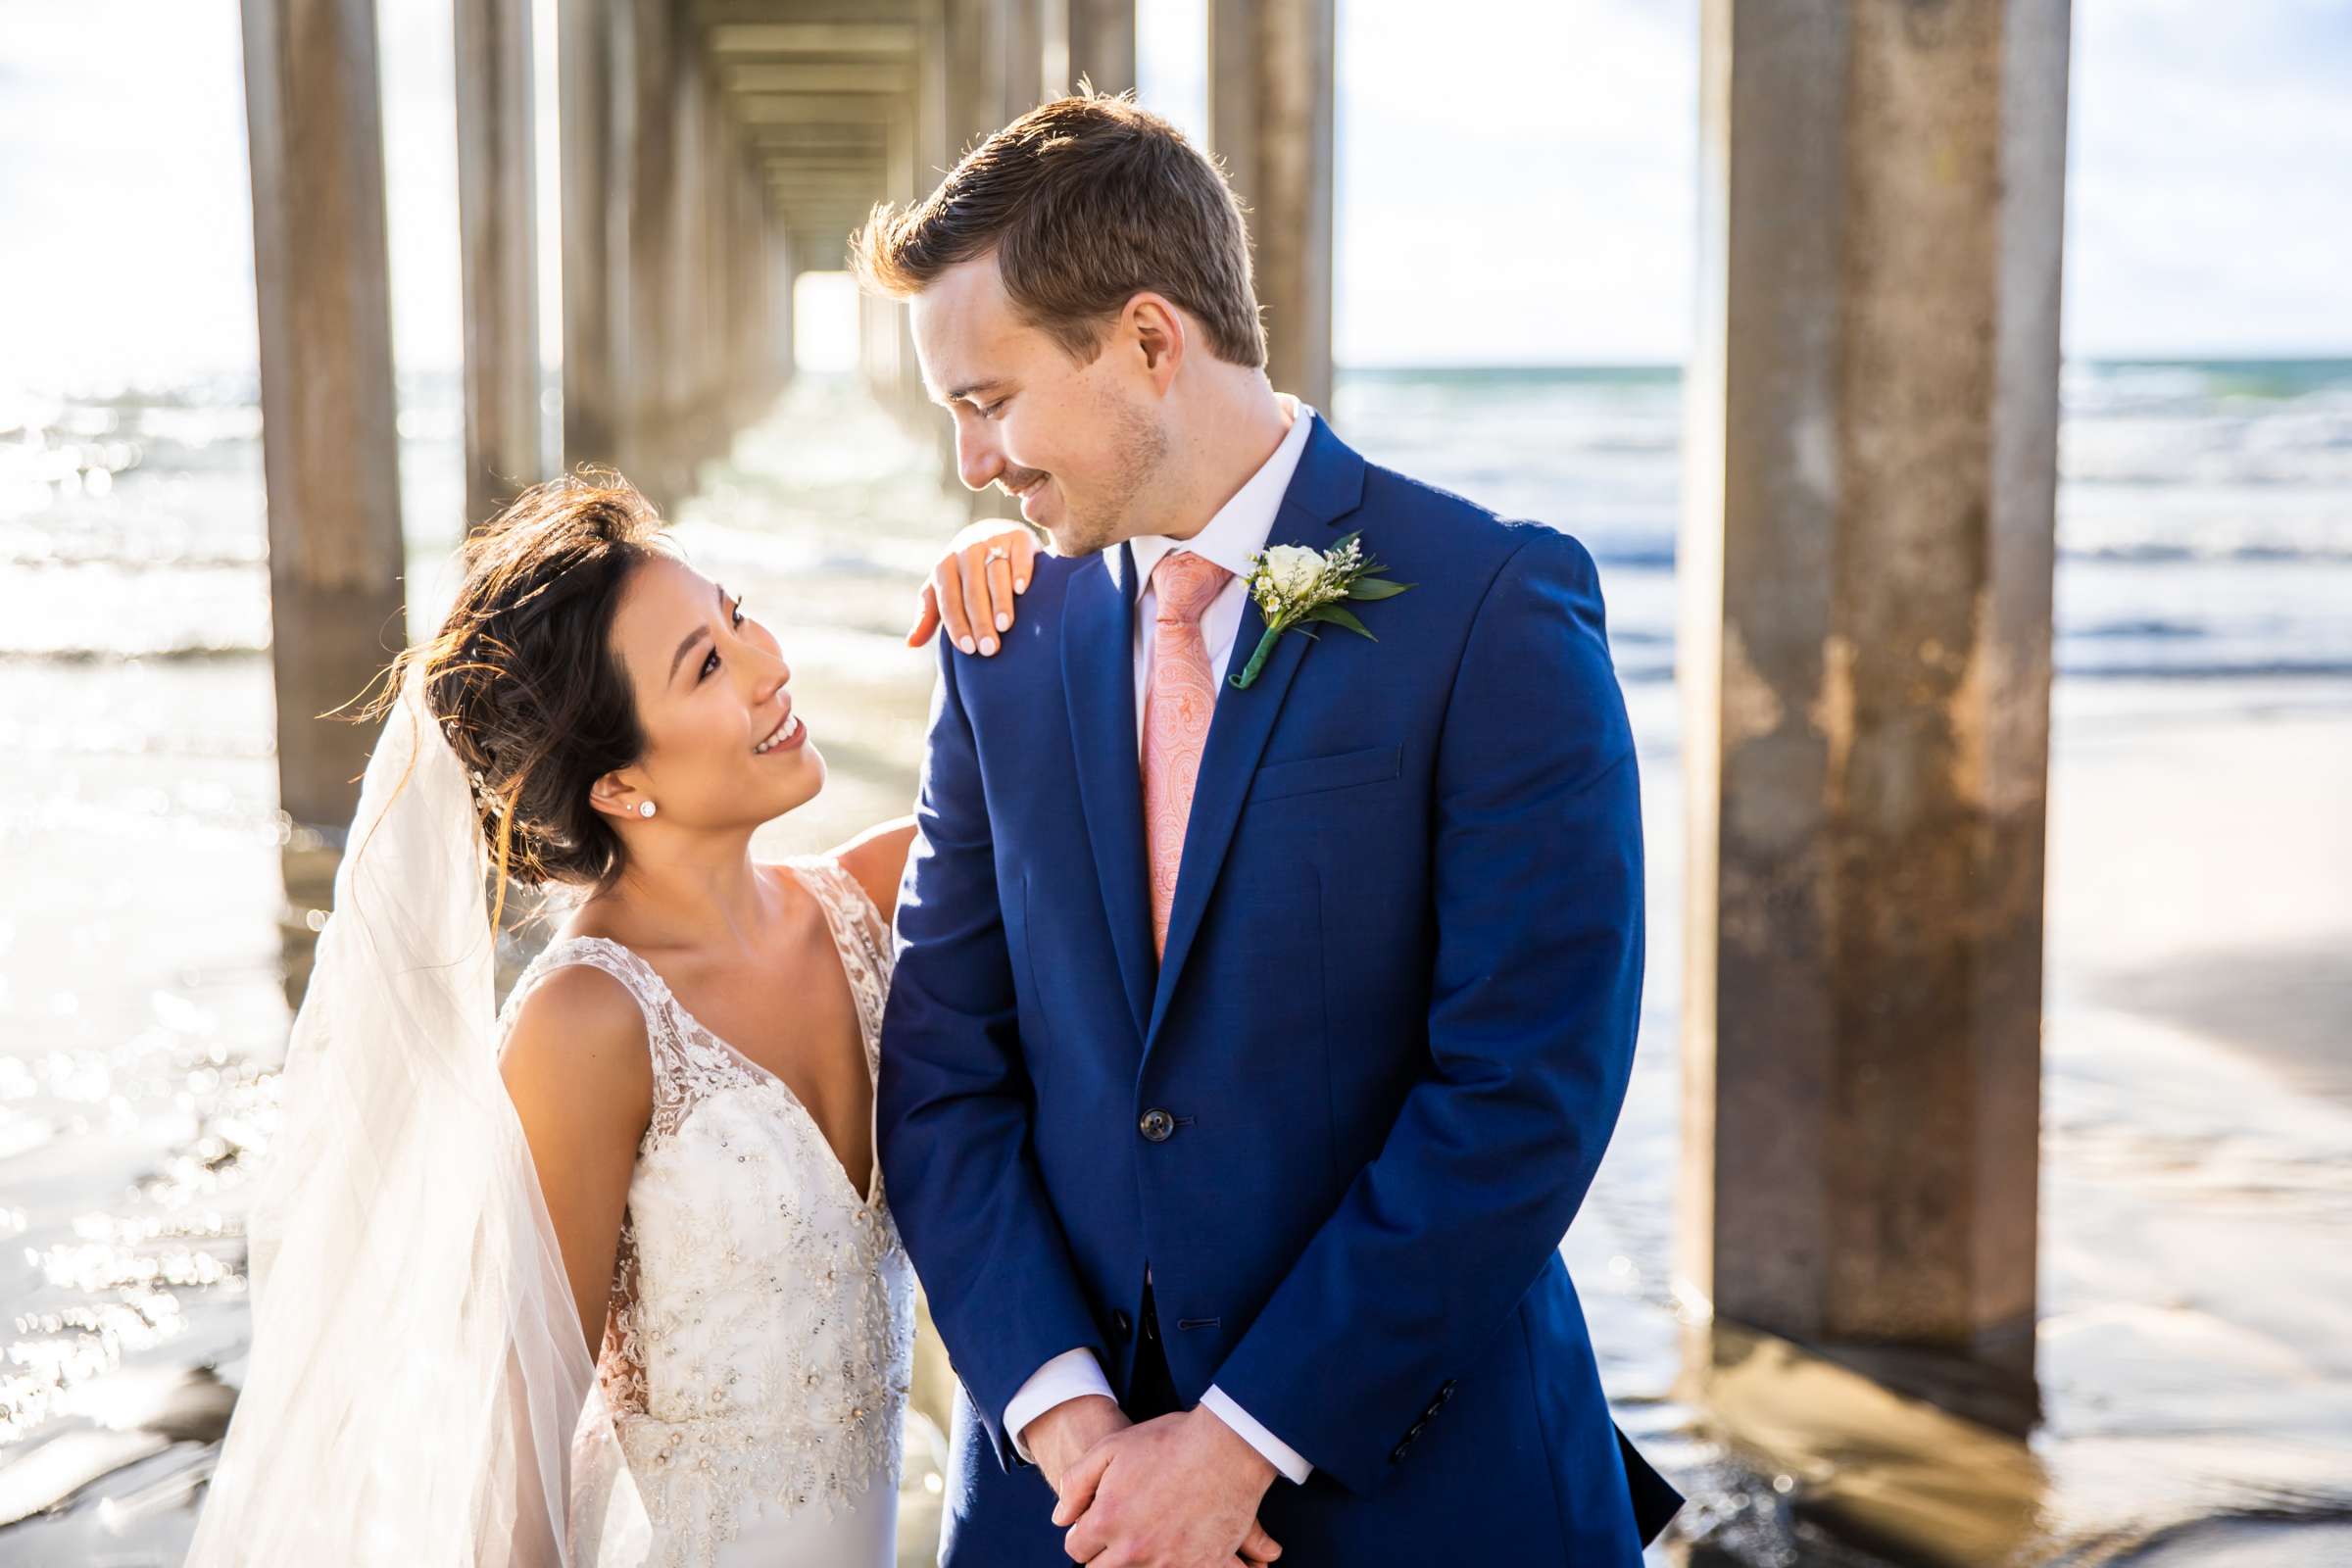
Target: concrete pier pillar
<point x="330" y="434"/>
<point x="975" y="57"/>
<point x="750" y="366"/>
<point x="650" y="202"/>
<point x="734" y="323"/>
<point x="497" y="221"/>
<point x="1021" y="39"/>
<point x="1101" y="44"/>
<point x="1866" y="561"/>
<point x="782" y="270"/>
<point x="934" y="151"/>
<point x="766" y="348"/>
<point x="723" y="268"/>
<point x="684" y="435"/>
<point x="594" y="256"/>
<point x="905" y="184"/>
<point x="1270" y="116"/>
<point x="877" y="346"/>
<point x="718" y="179"/>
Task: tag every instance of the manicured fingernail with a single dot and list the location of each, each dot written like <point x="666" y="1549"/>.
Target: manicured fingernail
<point x="1004" y="623"/>
<point x="988" y="644"/>
<point x="1021" y="586"/>
<point x="965" y="643"/>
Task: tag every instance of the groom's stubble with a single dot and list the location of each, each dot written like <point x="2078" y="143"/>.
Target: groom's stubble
<point x="1137" y="444"/>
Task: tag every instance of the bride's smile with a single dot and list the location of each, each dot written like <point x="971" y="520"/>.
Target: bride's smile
<point x="725" y="746"/>
<point x="787" y="735"/>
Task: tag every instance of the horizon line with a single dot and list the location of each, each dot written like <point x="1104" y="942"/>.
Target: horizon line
<point x="2324" y="355"/>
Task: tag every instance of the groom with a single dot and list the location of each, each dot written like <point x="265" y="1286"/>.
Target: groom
<point x="1250" y="1047"/>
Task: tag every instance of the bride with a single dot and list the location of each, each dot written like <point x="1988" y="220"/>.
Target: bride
<point x="608" y="1276"/>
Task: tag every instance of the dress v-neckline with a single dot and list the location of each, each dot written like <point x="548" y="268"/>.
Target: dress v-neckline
<point x="815" y="1129"/>
<point x="768" y="1075"/>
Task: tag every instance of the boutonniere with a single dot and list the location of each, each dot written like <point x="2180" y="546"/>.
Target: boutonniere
<point x="1293" y="584"/>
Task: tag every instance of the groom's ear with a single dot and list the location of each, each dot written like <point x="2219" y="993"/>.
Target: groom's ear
<point x="1153" y="330"/>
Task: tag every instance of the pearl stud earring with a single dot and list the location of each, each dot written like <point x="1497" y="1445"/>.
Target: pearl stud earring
<point x="645" y="807"/>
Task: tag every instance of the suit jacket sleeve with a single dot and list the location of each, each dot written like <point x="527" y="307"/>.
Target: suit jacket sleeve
<point x="1535" y="996"/>
<point x="952" y="1106"/>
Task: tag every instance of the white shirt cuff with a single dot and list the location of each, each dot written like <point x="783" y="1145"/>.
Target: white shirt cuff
<point x="1072" y="1375"/>
<point x="1280" y="1454"/>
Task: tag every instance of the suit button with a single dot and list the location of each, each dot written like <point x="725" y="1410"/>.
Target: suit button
<point x="1120" y="1325"/>
<point x="1156" y="1125"/>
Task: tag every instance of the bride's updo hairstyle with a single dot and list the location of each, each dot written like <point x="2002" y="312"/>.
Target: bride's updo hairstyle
<point x="523" y="680"/>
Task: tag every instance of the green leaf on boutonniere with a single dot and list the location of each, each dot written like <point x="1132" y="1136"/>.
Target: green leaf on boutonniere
<point x="1376" y="588"/>
<point x="1340" y="618"/>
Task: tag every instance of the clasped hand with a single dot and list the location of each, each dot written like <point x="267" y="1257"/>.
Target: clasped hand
<point x="1179" y="1492"/>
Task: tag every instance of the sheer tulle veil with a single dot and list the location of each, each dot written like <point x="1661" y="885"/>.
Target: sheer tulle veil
<point x="418" y="1390"/>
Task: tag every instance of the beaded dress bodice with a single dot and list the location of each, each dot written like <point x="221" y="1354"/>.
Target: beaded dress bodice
<point x="760" y="1335"/>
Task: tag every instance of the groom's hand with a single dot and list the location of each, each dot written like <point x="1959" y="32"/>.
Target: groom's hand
<point x="1057" y="1439"/>
<point x="1181" y="1491"/>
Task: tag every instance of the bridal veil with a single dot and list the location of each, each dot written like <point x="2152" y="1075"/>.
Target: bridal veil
<point x="420" y="1392"/>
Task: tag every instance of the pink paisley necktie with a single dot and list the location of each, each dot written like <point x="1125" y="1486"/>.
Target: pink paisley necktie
<point x="1178" y="700"/>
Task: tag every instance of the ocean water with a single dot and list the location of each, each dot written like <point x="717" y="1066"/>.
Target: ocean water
<point x="2204" y="512"/>
<point x="2204" y="518"/>
<point x="2196" y="1350"/>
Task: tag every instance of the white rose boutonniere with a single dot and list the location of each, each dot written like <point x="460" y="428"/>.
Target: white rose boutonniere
<point x="1293" y="584"/>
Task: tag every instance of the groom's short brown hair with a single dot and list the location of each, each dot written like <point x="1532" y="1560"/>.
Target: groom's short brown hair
<point x="1086" y="201"/>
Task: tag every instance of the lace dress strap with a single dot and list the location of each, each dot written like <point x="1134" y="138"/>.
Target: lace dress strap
<point x="860" y="935"/>
<point x="673" y="1052"/>
<point x="596" y="952"/>
<point x="680" y="1061"/>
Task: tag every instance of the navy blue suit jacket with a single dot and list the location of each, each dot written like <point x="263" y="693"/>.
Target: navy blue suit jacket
<point x="1390" y="1038"/>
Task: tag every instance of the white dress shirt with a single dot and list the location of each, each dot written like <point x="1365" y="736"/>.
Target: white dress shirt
<point x="1237" y="532"/>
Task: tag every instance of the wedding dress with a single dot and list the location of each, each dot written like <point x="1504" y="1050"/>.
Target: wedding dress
<point x="419" y="1392"/>
<point x="760" y="1337"/>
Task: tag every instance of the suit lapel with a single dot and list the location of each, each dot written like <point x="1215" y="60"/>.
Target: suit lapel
<point x="1098" y="668"/>
<point x="1328" y="486"/>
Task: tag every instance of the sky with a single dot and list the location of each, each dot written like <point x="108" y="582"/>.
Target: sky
<point x="1515" y="186"/>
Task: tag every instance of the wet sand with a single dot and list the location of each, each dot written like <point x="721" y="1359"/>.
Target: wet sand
<point x="2196" y="1342"/>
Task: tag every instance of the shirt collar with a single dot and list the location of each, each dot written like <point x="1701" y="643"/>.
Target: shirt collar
<point x="1242" y="526"/>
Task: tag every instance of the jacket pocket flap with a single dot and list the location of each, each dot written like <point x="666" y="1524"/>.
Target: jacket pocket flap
<point x="1312" y="774"/>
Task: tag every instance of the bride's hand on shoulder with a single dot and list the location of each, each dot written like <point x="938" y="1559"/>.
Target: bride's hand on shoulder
<point x="984" y="568"/>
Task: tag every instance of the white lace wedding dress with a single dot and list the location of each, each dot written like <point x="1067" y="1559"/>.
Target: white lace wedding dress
<point x="761" y="1329"/>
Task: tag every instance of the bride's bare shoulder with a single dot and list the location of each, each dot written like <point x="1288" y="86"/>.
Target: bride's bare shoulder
<point x="878" y="859"/>
<point x="578" y="1043"/>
